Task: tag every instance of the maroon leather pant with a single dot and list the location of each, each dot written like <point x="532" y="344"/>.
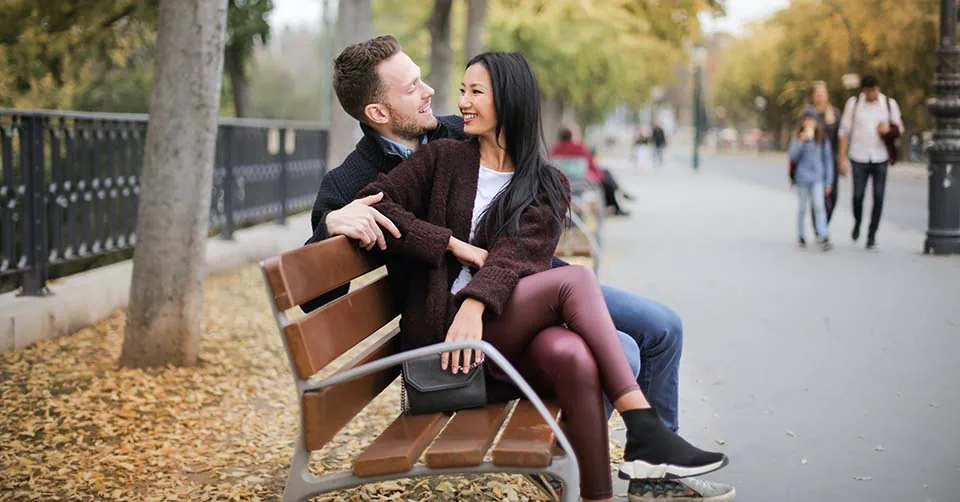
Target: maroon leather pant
<point x="575" y="364"/>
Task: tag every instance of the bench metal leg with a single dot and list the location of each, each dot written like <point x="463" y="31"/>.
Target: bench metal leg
<point x="566" y="470"/>
<point x="300" y="484"/>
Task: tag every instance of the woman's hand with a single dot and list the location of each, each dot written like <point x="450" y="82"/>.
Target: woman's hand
<point x="467" y="325"/>
<point x="468" y="254"/>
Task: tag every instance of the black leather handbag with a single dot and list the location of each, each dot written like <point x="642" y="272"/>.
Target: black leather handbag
<point x="428" y="388"/>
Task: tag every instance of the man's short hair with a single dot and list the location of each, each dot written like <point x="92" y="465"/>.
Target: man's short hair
<point x="565" y="134"/>
<point x="869" y="82"/>
<point x="355" y="78"/>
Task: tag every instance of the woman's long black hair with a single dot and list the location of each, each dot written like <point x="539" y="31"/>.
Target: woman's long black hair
<point x="516" y="99"/>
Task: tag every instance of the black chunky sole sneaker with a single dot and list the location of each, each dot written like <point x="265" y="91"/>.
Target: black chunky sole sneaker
<point x="653" y="451"/>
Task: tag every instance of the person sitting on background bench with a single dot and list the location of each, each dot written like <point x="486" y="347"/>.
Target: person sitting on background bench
<point x="569" y="145"/>
<point x="377" y="72"/>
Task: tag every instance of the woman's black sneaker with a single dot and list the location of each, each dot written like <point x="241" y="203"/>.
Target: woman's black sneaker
<point x="802" y="242"/>
<point x="654" y="451"/>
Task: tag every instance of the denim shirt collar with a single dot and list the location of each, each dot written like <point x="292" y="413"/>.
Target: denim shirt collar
<point x="392" y="147"/>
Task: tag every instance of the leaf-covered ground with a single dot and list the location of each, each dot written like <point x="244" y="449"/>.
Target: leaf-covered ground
<point x="75" y="426"/>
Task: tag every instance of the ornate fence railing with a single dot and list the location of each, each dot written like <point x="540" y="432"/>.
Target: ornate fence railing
<point x="70" y="184"/>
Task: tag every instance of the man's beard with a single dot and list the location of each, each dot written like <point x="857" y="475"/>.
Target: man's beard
<point x="406" y="127"/>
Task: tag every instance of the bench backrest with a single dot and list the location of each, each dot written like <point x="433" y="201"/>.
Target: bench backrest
<point x="318" y="338"/>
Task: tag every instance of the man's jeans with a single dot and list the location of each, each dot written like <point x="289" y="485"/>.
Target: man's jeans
<point x="658" y="333"/>
<point x="658" y="155"/>
<point x="861" y="174"/>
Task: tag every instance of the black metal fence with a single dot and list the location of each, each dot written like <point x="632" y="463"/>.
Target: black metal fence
<point x="70" y="184"/>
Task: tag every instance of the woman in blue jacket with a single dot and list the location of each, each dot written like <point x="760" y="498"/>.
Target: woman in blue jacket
<point x="810" y="151"/>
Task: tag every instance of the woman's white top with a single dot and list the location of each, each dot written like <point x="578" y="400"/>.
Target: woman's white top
<point x="489" y="184"/>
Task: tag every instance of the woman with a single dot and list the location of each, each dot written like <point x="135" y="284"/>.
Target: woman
<point x="498" y="192"/>
<point x="811" y="152"/>
<point x="829" y="118"/>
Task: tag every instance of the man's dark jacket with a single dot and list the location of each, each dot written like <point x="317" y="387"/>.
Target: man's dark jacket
<point x="339" y="187"/>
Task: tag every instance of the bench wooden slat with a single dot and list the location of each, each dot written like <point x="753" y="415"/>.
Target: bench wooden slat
<point x="399" y="447"/>
<point x="325" y="412"/>
<point x="580" y="253"/>
<point x="467" y="437"/>
<point x="305" y="273"/>
<point x="325" y="334"/>
<point x="527" y="440"/>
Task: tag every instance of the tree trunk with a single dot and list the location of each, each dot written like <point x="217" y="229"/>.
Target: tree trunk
<point x="441" y="56"/>
<point x="354" y="19"/>
<point x="239" y="84"/>
<point x="165" y="317"/>
<point x="476" y="21"/>
<point x="551" y="113"/>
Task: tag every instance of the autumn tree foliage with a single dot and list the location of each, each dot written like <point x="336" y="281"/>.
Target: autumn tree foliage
<point x="810" y="40"/>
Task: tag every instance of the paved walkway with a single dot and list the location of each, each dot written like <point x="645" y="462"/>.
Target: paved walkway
<point x="824" y="376"/>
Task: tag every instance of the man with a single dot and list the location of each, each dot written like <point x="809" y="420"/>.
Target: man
<point x="659" y="143"/>
<point x="871" y="121"/>
<point x="380" y="86"/>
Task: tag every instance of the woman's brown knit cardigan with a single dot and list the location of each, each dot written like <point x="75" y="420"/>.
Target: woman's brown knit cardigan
<point x="430" y="197"/>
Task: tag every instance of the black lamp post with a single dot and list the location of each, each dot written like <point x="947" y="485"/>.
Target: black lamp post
<point x="943" y="230"/>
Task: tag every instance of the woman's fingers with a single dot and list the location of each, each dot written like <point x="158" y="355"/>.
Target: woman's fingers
<point x="462" y="329"/>
<point x="452" y="360"/>
<point x="461" y="361"/>
<point x="455" y="361"/>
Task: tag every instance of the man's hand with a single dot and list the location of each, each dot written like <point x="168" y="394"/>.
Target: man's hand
<point x="357" y="220"/>
<point x="467" y="325"/>
<point x="844" y="162"/>
<point x="844" y="166"/>
<point x="468" y="254"/>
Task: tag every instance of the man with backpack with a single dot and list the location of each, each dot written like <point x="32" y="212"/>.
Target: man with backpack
<point x="869" y="129"/>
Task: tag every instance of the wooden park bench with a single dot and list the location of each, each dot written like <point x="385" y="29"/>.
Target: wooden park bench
<point x="453" y="443"/>
<point x="586" y="215"/>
